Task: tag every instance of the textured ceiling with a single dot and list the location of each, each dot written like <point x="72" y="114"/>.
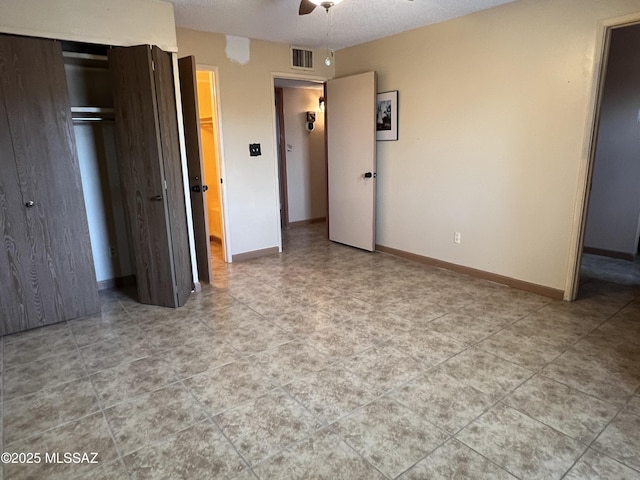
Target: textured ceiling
<point x="354" y="21"/>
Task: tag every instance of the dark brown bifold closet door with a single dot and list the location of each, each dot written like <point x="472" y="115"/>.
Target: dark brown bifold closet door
<point x="190" y="114"/>
<point x="150" y="169"/>
<point x="47" y="273"/>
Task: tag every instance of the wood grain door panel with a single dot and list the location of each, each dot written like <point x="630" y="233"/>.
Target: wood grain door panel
<point x="140" y="164"/>
<point x="60" y="265"/>
<point x="172" y="164"/>
<point x="188" y="88"/>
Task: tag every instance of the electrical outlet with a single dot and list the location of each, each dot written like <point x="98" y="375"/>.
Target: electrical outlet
<point x="457" y="238"/>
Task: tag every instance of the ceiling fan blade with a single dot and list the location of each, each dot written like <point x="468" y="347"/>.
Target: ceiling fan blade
<point x="306" y="7"/>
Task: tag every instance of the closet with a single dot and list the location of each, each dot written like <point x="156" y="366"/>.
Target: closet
<point x="46" y="266"/>
<point x="123" y="108"/>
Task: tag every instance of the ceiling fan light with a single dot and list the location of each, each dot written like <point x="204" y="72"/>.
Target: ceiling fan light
<point x="325" y="3"/>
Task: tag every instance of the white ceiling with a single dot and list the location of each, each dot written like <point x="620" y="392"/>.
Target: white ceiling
<point x="354" y="21"/>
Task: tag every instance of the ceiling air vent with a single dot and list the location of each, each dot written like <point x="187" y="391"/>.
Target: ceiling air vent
<point x="301" y="58"/>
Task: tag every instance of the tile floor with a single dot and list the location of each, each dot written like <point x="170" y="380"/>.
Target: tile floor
<point x="330" y="363"/>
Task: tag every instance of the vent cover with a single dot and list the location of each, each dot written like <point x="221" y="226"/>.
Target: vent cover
<point x="301" y="58"/>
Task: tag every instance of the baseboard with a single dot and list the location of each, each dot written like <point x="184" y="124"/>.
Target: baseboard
<point x="197" y="287"/>
<point x="241" y="257"/>
<point x="119" y="282"/>
<point x="609" y="253"/>
<point x="474" y="272"/>
<point x="311" y="221"/>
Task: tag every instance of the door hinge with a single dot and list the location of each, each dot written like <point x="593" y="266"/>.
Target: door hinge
<point x="153" y="65"/>
<point x="165" y="185"/>
<point x="221" y="181"/>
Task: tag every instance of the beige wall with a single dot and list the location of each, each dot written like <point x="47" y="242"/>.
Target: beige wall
<point x="306" y="168"/>
<point x="494" y="125"/>
<point x="109" y="22"/>
<point x="247" y="116"/>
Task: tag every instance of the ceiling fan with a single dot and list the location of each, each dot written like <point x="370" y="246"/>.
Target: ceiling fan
<point x="308" y="6"/>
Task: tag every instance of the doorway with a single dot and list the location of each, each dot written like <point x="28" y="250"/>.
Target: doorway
<point x="211" y="161"/>
<point x="611" y="225"/>
<point x="301" y="142"/>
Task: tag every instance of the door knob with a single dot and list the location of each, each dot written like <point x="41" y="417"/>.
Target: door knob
<point x="204" y="188"/>
<point x="29" y="204"/>
<point x="157" y="198"/>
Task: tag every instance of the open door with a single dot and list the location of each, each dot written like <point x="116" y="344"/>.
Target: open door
<point x="188" y="88"/>
<point x="148" y="148"/>
<point x="351" y="158"/>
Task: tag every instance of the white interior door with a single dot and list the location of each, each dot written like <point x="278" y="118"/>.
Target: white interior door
<point x="351" y="152"/>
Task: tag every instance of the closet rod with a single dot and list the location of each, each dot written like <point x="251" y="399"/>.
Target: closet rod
<point x="93" y="120"/>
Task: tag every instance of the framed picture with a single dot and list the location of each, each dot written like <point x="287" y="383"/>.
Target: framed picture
<point x="387" y="116"/>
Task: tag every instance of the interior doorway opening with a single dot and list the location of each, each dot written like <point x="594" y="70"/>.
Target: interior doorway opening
<point x="301" y="147"/>
<point x="211" y="160"/>
<point x="611" y="224"/>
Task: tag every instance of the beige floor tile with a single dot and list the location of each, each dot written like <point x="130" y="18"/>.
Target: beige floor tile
<point x="33" y="348"/>
<point x="323" y="456"/>
<point x="634" y="405"/>
<point x="44" y="373"/>
<point x="255" y="338"/>
<point x="594" y="375"/>
<point x="332" y="393"/>
<point x="116" y="351"/>
<point x="265" y="351"/>
<point x="464" y="328"/>
<point x="621" y="439"/>
<point x="419" y="311"/>
<point x="427" y="346"/>
<point x="569" y="411"/>
<point x="197" y="452"/>
<point x="596" y="466"/>
<point x="266" y="425"/>
<point x="520" y="349"/>
<point x="228" y="386"/>
<point x="301" y="320"/>
<point x="289" y="361"/>
<point x="390" y="436"/>
<point x="558" y="330"/>
<point x="455" y="460"/>
<point x="126" y="381"/>
<point x="199" y="355"/>
<point x="105" y="471"/>
<point x="340" y="340"/>
<point x="87" y="435"/>
<point x="444" y="401"/>
<point x="385" y="367"/>
<point x="485" y="372"/>
<point x="88" y="331"/>
<point x="152" y="416"/>
<point x="44" y="409"/>
<point x="522" y="446"/>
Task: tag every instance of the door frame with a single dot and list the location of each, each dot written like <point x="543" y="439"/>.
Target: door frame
<point x="215" y="93"/>
<point x="282" y="158"/>
<point x="281" y="182"/>
<point x="585" y="175"/>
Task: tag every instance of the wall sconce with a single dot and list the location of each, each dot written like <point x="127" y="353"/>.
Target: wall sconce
<point x="311" y="118"/>
<point x="321" y="104"/>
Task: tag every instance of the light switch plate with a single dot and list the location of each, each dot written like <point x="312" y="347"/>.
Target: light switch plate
<point x="254" y="149"/>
